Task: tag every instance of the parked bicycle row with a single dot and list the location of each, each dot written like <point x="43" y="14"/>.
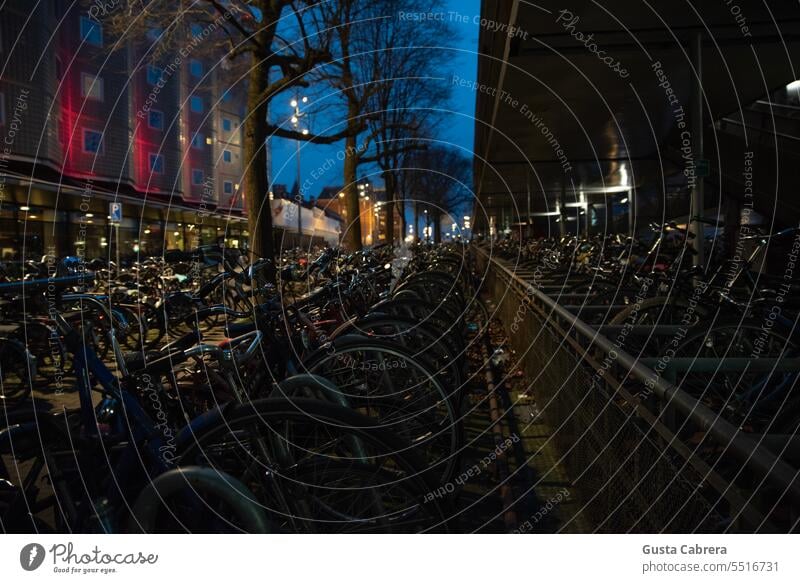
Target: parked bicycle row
<point x="648" y="297"/>
<point x="230" y="406"/>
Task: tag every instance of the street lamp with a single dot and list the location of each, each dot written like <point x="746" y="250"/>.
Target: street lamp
<point x="295" y="119"/>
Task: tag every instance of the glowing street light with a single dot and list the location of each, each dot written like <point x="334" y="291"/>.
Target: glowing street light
<point x="295" y="119"/>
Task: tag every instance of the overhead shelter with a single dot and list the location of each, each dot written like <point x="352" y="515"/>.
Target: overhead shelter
<point x="605" y="115"/>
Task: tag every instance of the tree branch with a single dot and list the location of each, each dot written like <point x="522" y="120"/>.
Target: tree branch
<point x="281" y="132"/>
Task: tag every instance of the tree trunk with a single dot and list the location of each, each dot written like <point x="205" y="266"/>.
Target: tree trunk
<point x="388" y="181"/>
<point x="416" y="221"/>
<point x="401" y="207"/>
<point x="352" y="238"/>
<point x="437" y="228"/>
<point x="256" y="191"/>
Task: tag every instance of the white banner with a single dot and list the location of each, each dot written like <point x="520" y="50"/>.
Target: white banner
<point x="386" y="559"/>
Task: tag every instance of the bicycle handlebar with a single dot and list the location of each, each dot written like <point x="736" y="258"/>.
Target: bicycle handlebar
<point x="34" y="285"/>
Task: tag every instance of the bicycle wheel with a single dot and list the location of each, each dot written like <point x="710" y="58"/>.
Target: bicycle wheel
<point x="317" y="467"/>
<point x="45" y="344"/>
<point x="196" y="500"/>
<point x="659" y="310"/>
<point x="425" y="313"/>
<point x="425" y="343"/>
<point x="755" y="400"/>
<point x="385" y="381"/>
<point x="16" y="370"/>
<point x="437" y="289"/>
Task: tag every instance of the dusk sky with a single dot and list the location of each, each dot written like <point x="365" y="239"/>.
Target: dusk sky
<point x="456" y="128"/>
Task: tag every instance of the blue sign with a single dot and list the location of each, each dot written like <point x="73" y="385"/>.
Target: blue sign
<point x="115" y="212"/>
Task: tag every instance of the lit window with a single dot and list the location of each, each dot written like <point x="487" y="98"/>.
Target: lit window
<point x="153" y="74"/>
<point x="197" y="141"/>
<point x="156" y="163"/>
<point x="226" y="97"/>
<point x="92" y="142"/>
<point x="91" y="32"/>
<point x="91" y="86"/>
<point x="196" y="104"/>
<point x="227" y="187"/>
<point x="196" y="68"/>
<point x="196" y="29"/>
<point x="155" y="119"/>
<point x="227" y="156"/>
<point x="226" y="124"/>
<point x="197" y="177"/>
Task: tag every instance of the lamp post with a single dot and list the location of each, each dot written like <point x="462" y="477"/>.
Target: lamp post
<point x="295" y="119"/>
<point x="363" y="193"/>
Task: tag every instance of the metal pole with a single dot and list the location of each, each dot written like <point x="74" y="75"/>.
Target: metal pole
<point x="588" y="214"/>
<point x="562" y="224"/>
<point x="116" y="228"/>
<point x="528" y="219"/>
<point x="299" y="196"/>
<point x="631" y="214"/>
<point x="698" y="190"/>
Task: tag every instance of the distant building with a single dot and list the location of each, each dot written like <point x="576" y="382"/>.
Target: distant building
<point x="372" y="210"/>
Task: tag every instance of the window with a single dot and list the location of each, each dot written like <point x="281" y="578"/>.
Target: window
<point x="226" y="156"/>
<point x="197" y="141"/>
<point x="154" y="34"/>
<point x="197" y="177"/>
<point x="196" y="29"/>
<point x="226" y="97"/>
<point x="154" y="74"/>
<point x="92" y="142"/>
<point x="227" y="187"/>
<point x="196" y="68"/>
<point x="91" y="32"/>
<point x="196" y="104"/>
<point x="156" y="163"/>
<point x="226" y="124"/>
<point x="155" y="119"/>
<point x="91" y="86"/>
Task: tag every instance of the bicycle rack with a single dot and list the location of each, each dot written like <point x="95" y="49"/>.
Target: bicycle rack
<point x="580" y="350"/>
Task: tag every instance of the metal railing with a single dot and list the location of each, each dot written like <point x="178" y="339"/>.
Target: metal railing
<point x="593" y="368"/>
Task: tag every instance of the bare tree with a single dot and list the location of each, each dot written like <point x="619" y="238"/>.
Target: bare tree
<point x="409" y="94"/>
<point x="439" y="179"/>
<point x="380" y="66"/>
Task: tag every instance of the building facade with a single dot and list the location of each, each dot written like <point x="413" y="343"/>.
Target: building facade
<point x="87" y="120"/>
<point x="373" y="211"/>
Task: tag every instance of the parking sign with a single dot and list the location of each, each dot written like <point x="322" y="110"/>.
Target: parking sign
<point x="115" y="211"/>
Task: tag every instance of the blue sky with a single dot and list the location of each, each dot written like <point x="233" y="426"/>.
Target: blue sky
<point x="457" y="128"/>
